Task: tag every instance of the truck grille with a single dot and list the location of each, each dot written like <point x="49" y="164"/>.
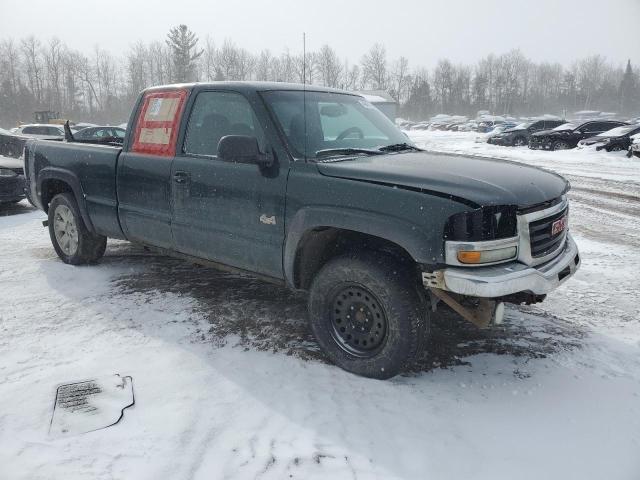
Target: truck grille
<point x="541" y="238"/>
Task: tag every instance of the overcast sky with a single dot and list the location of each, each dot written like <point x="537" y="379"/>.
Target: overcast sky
<point x="422" y="30"/>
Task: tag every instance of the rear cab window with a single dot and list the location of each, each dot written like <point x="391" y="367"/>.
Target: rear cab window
<point x="157" y="125"/>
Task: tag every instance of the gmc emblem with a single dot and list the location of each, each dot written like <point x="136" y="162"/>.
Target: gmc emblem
<point x="558" y="226"/>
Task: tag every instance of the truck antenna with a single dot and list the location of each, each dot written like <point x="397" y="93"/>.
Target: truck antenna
<point x="304" y="89"/>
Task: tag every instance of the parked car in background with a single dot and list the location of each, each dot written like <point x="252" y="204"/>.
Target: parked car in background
<point x="568" y="135"/>
<point x="468" y="127"/>
<point x="11" y="180"/>
<point x="41" y="130"/>
<point x="613" y="140"/>
<point x="520" y="134"/>
<point x="105" y="134"/>
<point x="11" y="145"/>
<point x="634" y="149"/>
<point x="484" y="138"/>
<point x="485" y="126"/>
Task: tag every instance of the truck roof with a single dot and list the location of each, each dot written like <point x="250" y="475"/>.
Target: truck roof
<point x="249" y="86"/>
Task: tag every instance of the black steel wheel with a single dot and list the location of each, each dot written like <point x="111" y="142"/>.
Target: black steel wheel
<point x="368" y="315"/>
<point x="359" y="321"/>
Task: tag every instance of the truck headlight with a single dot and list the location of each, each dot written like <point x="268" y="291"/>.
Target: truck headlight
<point x="481" y="253"/>
<point x="5" y="172"/>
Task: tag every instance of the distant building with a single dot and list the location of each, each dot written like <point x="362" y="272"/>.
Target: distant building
<point x="382" y="101"/>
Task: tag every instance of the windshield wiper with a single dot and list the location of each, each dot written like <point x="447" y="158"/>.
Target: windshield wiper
<point x="346" y="151"/>
<point x="399" y="147"/>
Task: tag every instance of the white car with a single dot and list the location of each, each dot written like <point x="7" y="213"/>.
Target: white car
<point x="634" y="149"/>
<point x="41" y="130"/>
<point x="485" y="136"/>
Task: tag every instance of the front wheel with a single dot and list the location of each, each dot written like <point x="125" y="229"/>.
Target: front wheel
<point x="367" y="314"/>
<point x="561" y="145"/>
<point x="519" y="142"/>
<point x="71" y="239"/>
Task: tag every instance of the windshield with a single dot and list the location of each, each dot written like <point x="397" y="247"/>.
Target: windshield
<point x="330" y="122"/>
<point x="618" y="131"/>
<point x="566" y="126"/>
<point x="522" y="126"/>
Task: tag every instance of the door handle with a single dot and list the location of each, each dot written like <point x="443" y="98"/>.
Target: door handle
<point x="181" y="177"/>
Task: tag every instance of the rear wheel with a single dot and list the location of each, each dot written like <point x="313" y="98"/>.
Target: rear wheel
<point x="367" y="314"/>
<point x="71" y="239"/>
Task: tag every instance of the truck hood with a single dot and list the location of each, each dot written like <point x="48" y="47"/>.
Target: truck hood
<point x="477" y="181"/>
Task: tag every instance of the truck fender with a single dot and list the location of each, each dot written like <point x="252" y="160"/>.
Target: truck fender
<point x="71" y="179"/>
<point x="404" y="234"/>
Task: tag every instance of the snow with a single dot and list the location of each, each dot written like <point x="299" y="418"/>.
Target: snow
<point x="230" y="384"/>
<point x="374" y="98"/>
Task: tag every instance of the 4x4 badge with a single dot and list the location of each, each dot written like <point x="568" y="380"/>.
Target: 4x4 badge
<point x="268" y="220"/>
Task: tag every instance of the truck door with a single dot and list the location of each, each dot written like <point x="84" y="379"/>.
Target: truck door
<point x="144" y="169"/>
<point x="227" y="212"/>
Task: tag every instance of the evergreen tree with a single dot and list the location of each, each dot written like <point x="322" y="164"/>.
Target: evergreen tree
<point x="184" y="53"/>
<point x="628" y="91"/>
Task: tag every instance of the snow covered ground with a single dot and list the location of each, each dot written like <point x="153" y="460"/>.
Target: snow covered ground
<point x="229" y="383"/>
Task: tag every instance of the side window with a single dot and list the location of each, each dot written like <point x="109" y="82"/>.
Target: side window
<point x="594" y="127"/>
<point x="29" y="130"/>
<point x="54" y="131"/>
<point x="156" y="128"/>
<point x="216" y="115"/>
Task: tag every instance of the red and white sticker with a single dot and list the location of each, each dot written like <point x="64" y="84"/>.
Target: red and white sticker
<point x="156" y="130"/>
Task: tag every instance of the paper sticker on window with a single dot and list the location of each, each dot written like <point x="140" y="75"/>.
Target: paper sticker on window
<point x="154" y="107"/>
<point x="158" y="136"/>
<point x="162" y="109"/>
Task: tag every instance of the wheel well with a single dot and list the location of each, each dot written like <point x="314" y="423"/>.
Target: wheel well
<point x="51" y="188"/>
<point x="319" y="245"/>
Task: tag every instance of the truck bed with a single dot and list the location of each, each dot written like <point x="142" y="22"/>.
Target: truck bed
<point x="91" y="171"/>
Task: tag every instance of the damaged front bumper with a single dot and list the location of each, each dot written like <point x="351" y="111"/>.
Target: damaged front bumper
<point x="507" y="279"/>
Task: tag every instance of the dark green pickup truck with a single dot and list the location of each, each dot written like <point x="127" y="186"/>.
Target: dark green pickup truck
<point x="316" y="189"/>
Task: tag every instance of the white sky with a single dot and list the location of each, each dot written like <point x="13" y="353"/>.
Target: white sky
<point x="422" y="30"/>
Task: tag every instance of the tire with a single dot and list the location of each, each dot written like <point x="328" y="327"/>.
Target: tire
<point x="615" y="148"/>
<point x="560" y="145"/>
<point x="520" y="141"/>
<point x="71" y="240"/>
<point x="390" y="322"/>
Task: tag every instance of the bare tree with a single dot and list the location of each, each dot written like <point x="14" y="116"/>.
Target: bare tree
<point x="401" y="78"/>
<point x="374" y="67"/>
<point x="329" y="66"/>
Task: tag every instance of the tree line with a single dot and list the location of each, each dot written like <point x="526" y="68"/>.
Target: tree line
<point x="101" y="87"/>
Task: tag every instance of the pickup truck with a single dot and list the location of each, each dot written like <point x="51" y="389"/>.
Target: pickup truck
<point x="315" y="189"/>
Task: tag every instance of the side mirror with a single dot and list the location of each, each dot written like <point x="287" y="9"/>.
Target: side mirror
<point x="242" y="149"/>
